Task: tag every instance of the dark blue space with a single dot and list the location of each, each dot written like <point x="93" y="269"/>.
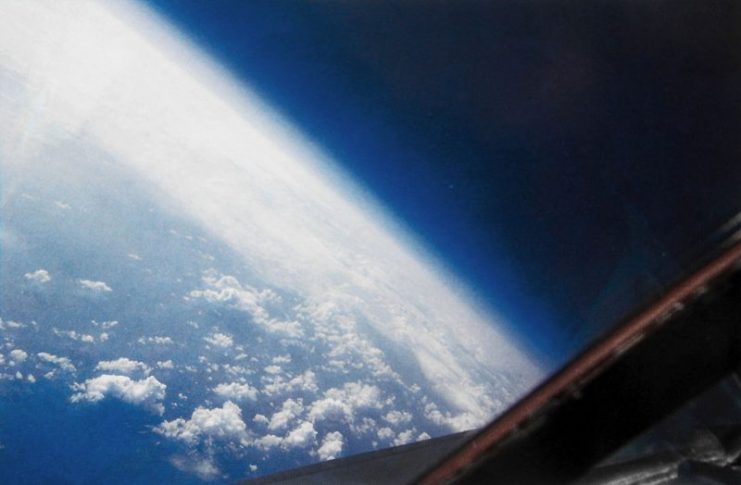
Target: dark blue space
<point x="567" y="160"/>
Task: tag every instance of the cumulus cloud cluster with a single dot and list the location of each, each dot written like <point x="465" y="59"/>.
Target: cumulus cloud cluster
<point x="220" y="340"/>
<point x="277" y="384"/>
<point x="301" y="436"/>
<point x="223" y="423"/>
<point x="227" y="290"/>
<point x="331" y="326"/>
<point x="335" y="325"/>
<point x="298" y="414"/>
<point x="293" y="425"/>
<point x="288" y="429"/>
<point x="396" y="417"/>
<point x="148" y="392"/>
<point x="342" y="403"/>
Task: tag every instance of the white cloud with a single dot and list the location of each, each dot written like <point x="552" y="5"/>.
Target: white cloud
<point x="334" y="322"/>
<point x="10" y="324"/>
<point x="236" y="391"/>
<point x="330" y="408"/>
<point x="123" y="365"/>
<point x="39" y="276"/>
<point x="236" y="369"/>
<point x="61" y="205"/>
<point x="404" y="437"/>
<point x="223" y="423"/>
<point x="268" y="441"/>
<point x="386" y="433"/>
<point x="220" y="340"/>
<point x="95" y="286"/>
<point x="301" y="436"/>
<point x="62" y="362"/>
<point x="273" y="369"/>
<point x="82" y="337"/>
<point x="108" y="324"/>
<point x="157" y="340"/>
<point x="148" y="392"/>
<point x="165" y="364"/>
<point x="457" y="422"/>
<point x="261" y="419"/>
<point x="363" y="425"/>
<point x="305" y="382"/>
<point x="332" y="445"/>
<point x="290" y="410"/>
<point x="282" y="359"/>
<point x="18" y="355"/>
<point x="341" y="403"/>
<point x="397" y="417"/>
<point x="227" y="290"/>
<point x="201" y="466"/>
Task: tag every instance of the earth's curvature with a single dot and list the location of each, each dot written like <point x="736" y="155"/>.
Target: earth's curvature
<point x="188" y="290"/>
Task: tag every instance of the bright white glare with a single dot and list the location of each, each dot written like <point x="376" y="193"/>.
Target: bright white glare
<point x="116" y="74"/>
